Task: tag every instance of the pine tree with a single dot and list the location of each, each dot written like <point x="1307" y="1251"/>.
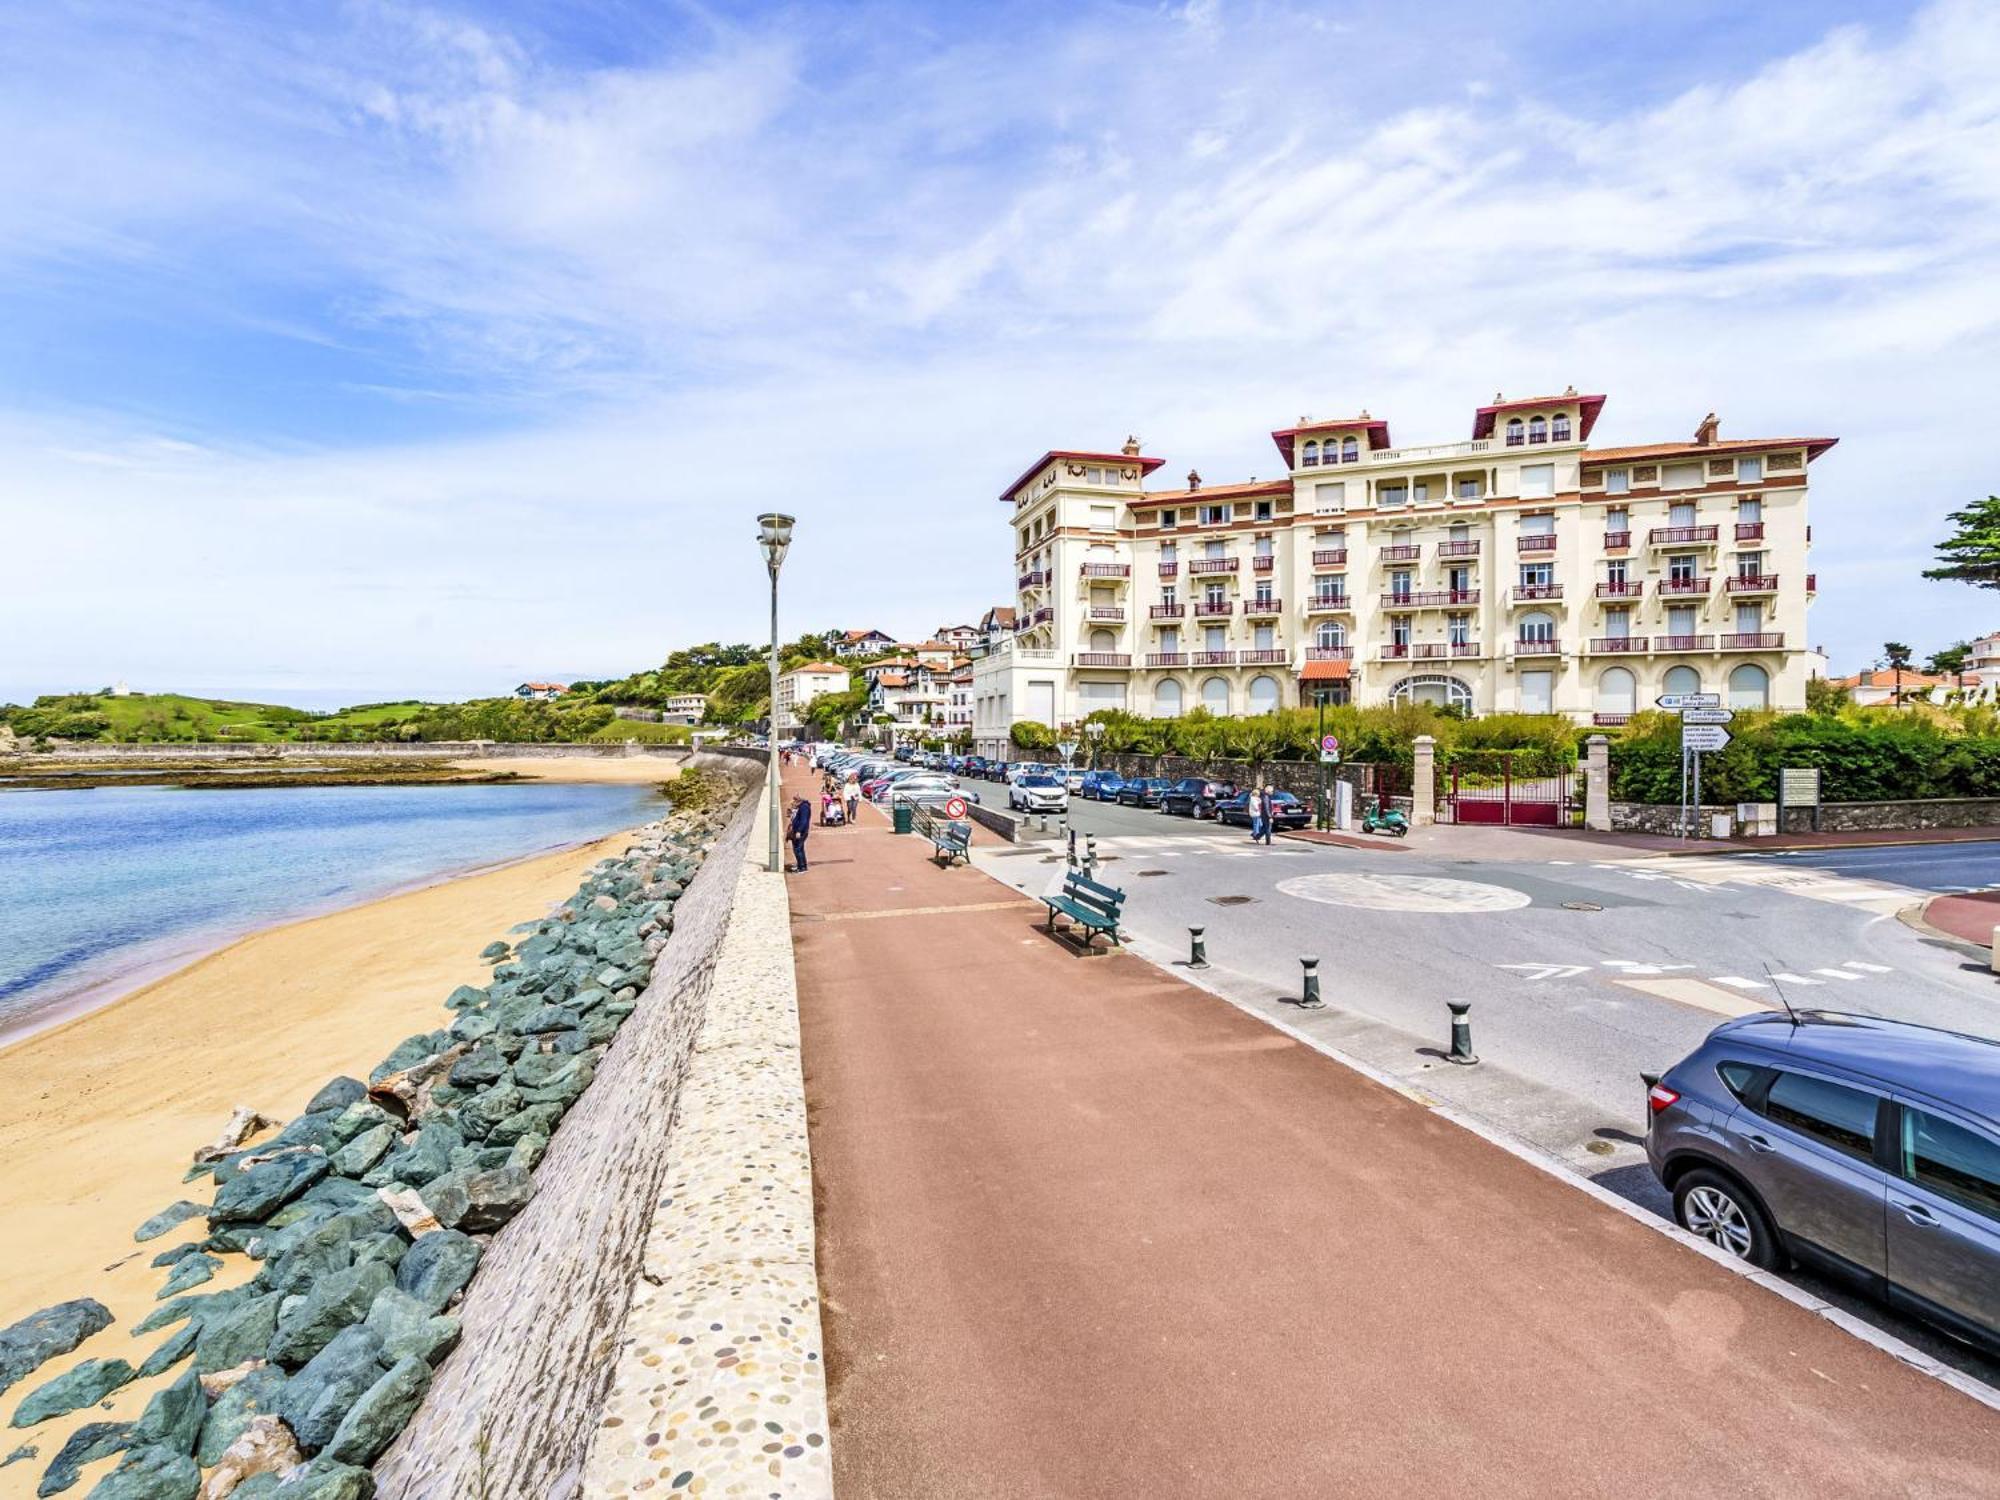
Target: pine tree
<point x="1971" y="554"/>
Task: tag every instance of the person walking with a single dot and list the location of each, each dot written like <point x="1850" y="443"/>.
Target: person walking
<point x="801" y="825"/>
<point x="1267" y="812"/>
<point x="852" y="791"/>
<point x="1256" y="811"/>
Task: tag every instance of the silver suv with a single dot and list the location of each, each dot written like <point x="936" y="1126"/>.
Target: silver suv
<point x="1869" y="1148"/>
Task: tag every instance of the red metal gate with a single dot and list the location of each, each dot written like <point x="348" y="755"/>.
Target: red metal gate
<point x="1486" y="788"/>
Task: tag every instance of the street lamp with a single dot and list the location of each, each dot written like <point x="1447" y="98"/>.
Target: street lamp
<point x="774" y="536"/>
<point x="1095" y="729"/>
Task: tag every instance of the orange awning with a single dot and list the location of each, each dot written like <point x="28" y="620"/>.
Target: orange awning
<point x="1327" y="671"/>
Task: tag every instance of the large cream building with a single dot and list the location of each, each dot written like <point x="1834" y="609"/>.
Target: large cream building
<point x="1520" y="570"/>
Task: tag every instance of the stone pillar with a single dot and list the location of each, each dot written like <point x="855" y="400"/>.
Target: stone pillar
<point x="1423" y="783"/>
<point x="1597" y="783"/>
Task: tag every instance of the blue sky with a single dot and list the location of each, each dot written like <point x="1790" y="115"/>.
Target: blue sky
<point x="358" y="349"/>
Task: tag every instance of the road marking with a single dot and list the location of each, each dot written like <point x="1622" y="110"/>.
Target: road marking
<point x="1839" y="974"/>
<point x="1534" y="972"/>
<point x="1855" y="963"/>
<point x="1628" y="966"/>
<point x="1740" y="983"/>
<point x="1698" y="993"/>
<point x="1405" y="893"/>
<point x="1797" y="979"/>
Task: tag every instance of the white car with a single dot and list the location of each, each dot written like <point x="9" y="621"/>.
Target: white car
<point x="1038" y="792"/>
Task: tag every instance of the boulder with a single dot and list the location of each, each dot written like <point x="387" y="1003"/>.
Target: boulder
<point x="321" y="1479"/>
<point x="89" y="1443"/>
<point x="408" y="1328"/>
<point x="27" y="1345"/>
<point x="243" y="1334"/>
<point x="428" y="1155"/>
<point x="177" y="1348"/>
<point x="465" y="997"/>
<point x="190" y="1271"/>
<point x="372" y="1423"/>
<point x="85" y="1385"/>
<point x="151" y="1473"/>
<point x="261" y="1191"/>
<point x="360" y="1117"/>
<point x="407" y="1054"/>
<point x="265" y="1446"/>
<point x="172" y="1419"/>
<point x="232" y="1412"/>
<point x="547" y="1018"/>
<point x="317" y="1253"/>
<point x="536" y="1119"/>
<point x="481" y="1201"/>
<point x="381" y="1250"/>
<point x="471" y="1025"/>
<point x="243" y="1122"/>
<point x="311" y="1129"/>
<point x="437" y="1267"/>
<point x="168" y="1257"/>
<point x="338" y="1094"/>
<point x="410" y="1211"/>
<point x="167" y="1218"/>
<point x="488" y="1110"/>
<point x="479" y="1067"/>
<point x="367" y="1148"/>
<point x="319" y="1396"/>
<point x="495" y="949"/>
<point x="309" y="1324"/>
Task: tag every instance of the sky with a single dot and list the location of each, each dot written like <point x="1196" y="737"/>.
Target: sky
<point x="354" y="351"/>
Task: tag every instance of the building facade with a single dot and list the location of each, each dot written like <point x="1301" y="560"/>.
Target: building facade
<point x="800" y="686"/>
<point x="687" y="708"/>
<point x="1517" y="571"/>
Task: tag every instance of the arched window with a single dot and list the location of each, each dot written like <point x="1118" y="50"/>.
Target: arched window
<point x="1215" y="696"/>
<point x="1445" y="692"/>
<point x="1681" y="680"/>
<point x="1350" y="450"/>
<point x="1559" y="427"/>
<point x="1103" y="640"/>
<point x="1309" y="455"/>
<point x="1536" y="626"/>
<point x="1538" y="429"/>
<point x="1617" y="691"/>
<point x="1263" y="695"/>
<point x="1749" y="687"/>
<point x="1167" y="699"/>
<point x="1330" y="633"/>
<point x="1516" y="433"/>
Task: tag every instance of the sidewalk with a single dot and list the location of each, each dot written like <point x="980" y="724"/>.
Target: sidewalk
<point x="1970" y="919"/>
<point x="1086" y="1231"/>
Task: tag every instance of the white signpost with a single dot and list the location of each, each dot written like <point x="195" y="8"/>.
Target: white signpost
<point x="1702" y="717"/>
<point x="1675" y="702"/>
<point x="1067" y="749"/>
<point x="1703" y="739"/>
<point x="1798" y="786"/>
<point x="1706" y="715"/>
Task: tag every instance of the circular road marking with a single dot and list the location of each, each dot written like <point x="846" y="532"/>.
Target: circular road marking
<point x="1430" y="893"/>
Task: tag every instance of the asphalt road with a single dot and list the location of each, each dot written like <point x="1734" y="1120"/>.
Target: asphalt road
<point x="1953" y="868"/>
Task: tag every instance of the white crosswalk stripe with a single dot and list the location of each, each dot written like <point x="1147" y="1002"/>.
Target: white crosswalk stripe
<point x="1839" y="974"/>
<point x="1796" y="979"/>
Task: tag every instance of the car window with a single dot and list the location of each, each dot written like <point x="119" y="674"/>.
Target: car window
<point x="1951" y="1161"/>
<point x="1740" y="1078"/>
<point x="1839" y="1116"/>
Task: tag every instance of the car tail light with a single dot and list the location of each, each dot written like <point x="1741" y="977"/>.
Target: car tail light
<point x="1659" y="1096"/>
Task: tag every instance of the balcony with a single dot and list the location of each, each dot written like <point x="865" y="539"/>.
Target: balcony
<point x="1032" y="580"/>
<point x="1617" y="541"/>
<point x="1104" y="658"/>
<point x="1165" y="611"/>
<point x="1812" y="584"/>
<point x="1106" y="570"/>
<point x="1610" y="721"/>
<point x="1430" y="598"/>
<point x="1213" y="659"/>
<point x="1108" y="612"/>
<point x="1679" y="536"/>
<point x="1329" y="653"/>
<point x="1537" y="648"/>
<point x="1458" y="549"/>
<point x="1402" y="553"/>
<point x="1682" y="588"/>
<point x="1757" y="640"/>
<point x="1617" y="645"/>
<point x="1045" y="613"/>
<point x="1466" y="648"/>
<point x="1752" y="583"/>
<point x="1211" y="609"/>
<point x="1263" y="562"/>
<point x="1749" y="531"/>
<point x="1214" y="565"/>
<point x="1330" y="557"/>
<point x="1535" y="593"/>
<point x="1536" y="541"/>
<point x="1264" y="656"/>
<point x="1321" y="604"/>
<point x="1263" y="605"/>
<point x="1620" y="590"/>
<point x="1169" y="569"/>
<point x="1166" y="658"/>
<point x="1683" y="643"/>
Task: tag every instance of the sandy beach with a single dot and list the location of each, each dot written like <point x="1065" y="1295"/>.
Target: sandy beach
<point x="98" y="1117"/>
<point x="626" y="770"/>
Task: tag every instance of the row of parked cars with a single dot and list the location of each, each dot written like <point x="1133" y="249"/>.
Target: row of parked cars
<point x="883" y="776"/>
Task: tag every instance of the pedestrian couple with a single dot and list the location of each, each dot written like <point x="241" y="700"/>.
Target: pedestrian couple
<point x="1263" y="813"/>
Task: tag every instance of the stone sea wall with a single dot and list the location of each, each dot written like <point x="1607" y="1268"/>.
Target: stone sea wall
<point x="94" y="750"/>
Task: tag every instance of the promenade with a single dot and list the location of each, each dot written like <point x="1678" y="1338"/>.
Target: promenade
<point x="1086" y="1230"/>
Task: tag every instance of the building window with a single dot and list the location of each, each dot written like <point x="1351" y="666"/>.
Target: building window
<point x="1749" y="565"/>
<point x="1559" y="427"/>
<point x="1749" y="471"/>
<point x="1614" y="572"/>
<point x="1680" y="567"/>
<point x="1618" y="623"/>
<point x="1536" y="626"/>
<point x="1517" y="432"/>
<point x="1420" y="492"/>
<point x="1103" y="518"/>
<point x="1749" y="687"/>
<point x="1309" y="455"/>
<point x="1537" y="575"/>
<point x="1214" y="515"/>
<point x="1458" y="629"/>
<point x="1263" y="512"/>
<point x="1169" y="519"/>
<point x="1399" y="583"/>
<point x="1445" y="692"/>
<point x="1399" y="630"/>
<point x="1749" y="509"/>
<point x="1617" y="691"/>
<point x="1617" y="482"/>
<point x="1350" y="450"/>
<point x="1167" y="699"/>
<point x="1330" y="634"/>
<point x="1471" y="488"/>
<point x="1538" y="429"/>
<point x="1681" y="513"/>
<point x="1264" y="696"/>
<point x="1215" y="695"/>
<point x="1538" y="481"/>
<point x="1390" y="496"/>
<point x="1681" y="680"/>
<point x="1330" y="499"/>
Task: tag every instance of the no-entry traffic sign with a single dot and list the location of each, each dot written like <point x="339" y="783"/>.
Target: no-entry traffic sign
<point x="954" y="807"/>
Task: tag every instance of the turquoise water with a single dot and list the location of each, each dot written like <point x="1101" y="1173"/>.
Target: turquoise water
<point x="95" y="885"/>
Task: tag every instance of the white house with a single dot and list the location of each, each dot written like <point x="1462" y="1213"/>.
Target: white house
<point x="541" y="692"/>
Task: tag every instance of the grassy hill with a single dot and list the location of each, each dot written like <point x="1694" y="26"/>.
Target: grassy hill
<point x="168" y="718"/>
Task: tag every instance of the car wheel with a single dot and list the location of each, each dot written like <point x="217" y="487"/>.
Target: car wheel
<point x="1716" y="1207"/>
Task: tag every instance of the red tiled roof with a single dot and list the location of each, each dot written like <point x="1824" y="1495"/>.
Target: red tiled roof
<point x="1146" y="465"/>
<point x="546" y="687"/>
<point x="892" y="680"/>
<point x="1155" y="498"/>
<point x="1326" y="671"/>
<point x="821" y="666"/>
<point x="1377" y="429"/>
<point x="1586" y="415"/>
<point x="1814" y="447"/>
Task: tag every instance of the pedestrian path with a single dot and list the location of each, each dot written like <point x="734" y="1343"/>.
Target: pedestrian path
<point x="1698" y="873"/>
<point x="1086" y="1230"/>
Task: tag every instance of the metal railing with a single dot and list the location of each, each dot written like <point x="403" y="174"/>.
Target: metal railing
<point x="1682" y="587"/>
<point x="1458" y="549"/>
<point x="1670" y="536"/>
<point x="1683" y="643"/>
<point x="1106" y="570"/>
<point x="1617" y="540"/>
<point x="1104" y="658"/>
<point x="1330" y="557"/>
<point x="1754" y="640"/>
<point x="1752" y="583"/>
<point x="1165" y="611"/>
<point x="1263" y="605"/>
<point x="1529" y="647"/>
<point x="1214" y="565"/>
<point x="1535" y="541"/>
<point x="1626" y="590"/>
<point x="1213" y="658"/>
<point x="1529" y="593"/>
<point x="1618" y="645"/>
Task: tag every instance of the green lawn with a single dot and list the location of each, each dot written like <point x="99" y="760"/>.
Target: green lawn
<point x="171" y="717"/>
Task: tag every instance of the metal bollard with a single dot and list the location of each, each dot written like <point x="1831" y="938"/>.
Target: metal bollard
<point x="1461" y="1032"/>
<point x="1072" y="846"/>
<point x="1090" y="854"/>
<point x="1197" y="948"/>
<point x="1309" y="996"/>
<point x="1994" y="962"/>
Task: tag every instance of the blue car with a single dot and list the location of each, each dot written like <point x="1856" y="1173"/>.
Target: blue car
<point x="1102" y="786"/>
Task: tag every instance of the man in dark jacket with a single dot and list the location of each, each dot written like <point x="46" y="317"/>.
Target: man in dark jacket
<point x="801" y="825"/>
<point x="1267" y="813"/>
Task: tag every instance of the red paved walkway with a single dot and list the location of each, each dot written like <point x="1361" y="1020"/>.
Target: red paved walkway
<point x="1087" y="1231"/>
<point x="1971" y="918"/>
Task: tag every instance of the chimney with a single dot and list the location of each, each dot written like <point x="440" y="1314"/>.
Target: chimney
<point x="1131" y="448"/>
<point x="1704" y="435"/>
<point x="1194" y="480"/>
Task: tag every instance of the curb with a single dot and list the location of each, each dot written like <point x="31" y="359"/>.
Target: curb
<point x="1554" y="1166"/>
<point x="1917" y="919"/>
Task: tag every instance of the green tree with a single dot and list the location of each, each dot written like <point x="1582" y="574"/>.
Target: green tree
<point x="1950" y="662"/>
<point x="1896" y="657"/>
<point x="1824" y="698"/>
<point x="1032" y="734"/>
<point x="1971" y="554"/>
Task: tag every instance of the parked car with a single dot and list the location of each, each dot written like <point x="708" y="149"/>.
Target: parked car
<point x="1105" y="787"/>
<point x="1869" y="1148"/>
<point x="1039" y="792"/>
<point x="930" y="791"/>
<point x="1286" y="810"/>
<point x="1141" y="791"/>
<point x="1195" y="796"/>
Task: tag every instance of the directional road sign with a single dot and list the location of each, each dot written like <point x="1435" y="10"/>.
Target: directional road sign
<point x="1703" y="737"/>
<point x="1673" y="701"/>
<point x="1707" y="715"/>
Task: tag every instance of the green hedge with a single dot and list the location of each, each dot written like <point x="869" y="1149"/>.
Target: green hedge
<point x="1861" y="757"/>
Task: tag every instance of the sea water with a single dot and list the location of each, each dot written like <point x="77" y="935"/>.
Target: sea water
<point x="99" y="886"/>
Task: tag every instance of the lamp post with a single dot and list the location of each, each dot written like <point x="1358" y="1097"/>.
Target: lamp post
<point x="774" y="536"/>
<point x="1095" y="729"/>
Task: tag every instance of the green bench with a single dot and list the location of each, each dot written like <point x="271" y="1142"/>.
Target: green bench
<point x="950" y="839"/>
<point x="1088" y="904"/>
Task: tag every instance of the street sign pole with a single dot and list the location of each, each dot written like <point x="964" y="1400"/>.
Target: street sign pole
<point x="1319" y="697"/>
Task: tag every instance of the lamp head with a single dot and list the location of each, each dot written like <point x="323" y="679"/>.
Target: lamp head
<point x="774" y="536"/>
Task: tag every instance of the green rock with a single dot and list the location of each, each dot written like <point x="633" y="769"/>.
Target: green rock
<point x="20" y="1455"/>
<point x="255" y="1395"/>
<point x="319" y="1479"/>
<point x="308" y="1325"/>
<point x="464" y="997"/>
<point x="526" y="1153"/>
<point x="86" y="1385"/>
<point x="178" y="1253"/>
<point x="428" y="1156"/>
<point x="337" y="1095"/>
<point x="478" y="1068"/>
<point x="372" y="1423"/>
<point x="367" y="1148"/>
<point x="89" y="1443"/>
<point x="547" y="1018"/>
<point x="316" y="1399"/>
<point x="409" y="1330"/>
<point x="167" y="1218"/>
<point x="381" y="1249"/>
<point x="437" y="1266"/>
<point x="191" y="1271"/>
<point x="536" y="1119"/>
<point x="408" y="1053"/>
<point x="471" y="1025"/>
<point x="38" y="1338"/>
<point x="357" y="1119"/>
<point x="261" y="1191"/>
<point x="242" y="1334"/>
<point x="154" y="1473"/>
<point x="177" y="1348"/>
<point x="172" y="1419"/>
<point x="488" y="1110"/>
<point x="495" y="949"/>
<point x="339" y="1192"/>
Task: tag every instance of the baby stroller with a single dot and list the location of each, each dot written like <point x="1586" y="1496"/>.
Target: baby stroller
<point x="832" y="811"/>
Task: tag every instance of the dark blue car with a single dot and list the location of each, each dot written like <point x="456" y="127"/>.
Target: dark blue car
<point x="1102" y="786"/>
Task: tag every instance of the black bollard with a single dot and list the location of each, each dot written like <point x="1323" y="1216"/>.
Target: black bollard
<point x="1309" y="996"/>
<point x="1090" y="855"/>
<point x="1197" y="948"/>
<point x="1461" y="1032"/>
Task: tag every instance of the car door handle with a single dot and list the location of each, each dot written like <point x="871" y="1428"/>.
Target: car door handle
<point x="1916" y="1213"/>
<point x="1759" y="1143"/>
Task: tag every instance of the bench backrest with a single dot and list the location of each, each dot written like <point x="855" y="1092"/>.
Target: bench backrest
<point x="1091" y="894"/>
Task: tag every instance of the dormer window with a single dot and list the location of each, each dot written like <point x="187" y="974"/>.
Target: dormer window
<point x="1538" y="429"/>
<point x="1559" y="427"/>
<point x="1350" y="450"/>
<point x="1517" y="432"/>
<point x="1169" y="519"/>
<point x="1263" y="510"/>
<point x="1309" y="455"/>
